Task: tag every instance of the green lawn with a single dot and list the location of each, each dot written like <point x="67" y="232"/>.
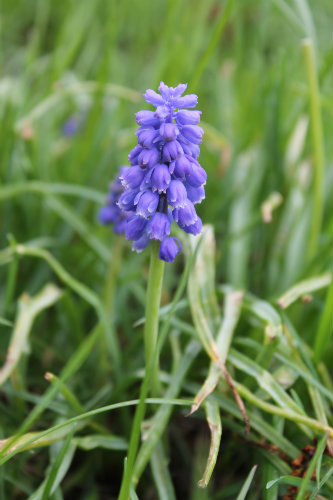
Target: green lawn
<point x="256" y="287"/>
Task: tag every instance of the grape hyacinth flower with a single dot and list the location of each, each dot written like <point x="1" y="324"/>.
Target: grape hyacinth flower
<point x="111" y="213"/>
<point x="165" y="179"/>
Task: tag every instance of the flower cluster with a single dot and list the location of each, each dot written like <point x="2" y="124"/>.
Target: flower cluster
<point x="111" y="213"/>
<point x="165" y="180"/>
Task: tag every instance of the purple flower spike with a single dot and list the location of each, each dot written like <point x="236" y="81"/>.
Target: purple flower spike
<point x="192" y="133"/>
<point x="153" y="98"/>
<point x="147" y="137"/>
<point x="158" y="226"/>
<point x="134" y="154"/>
<point x="172" y="150"/>
<point x="195" y="194"/>
<point x="132" y="177"/>
<point x="182" y="167"/>
<point x="140" y="244"/>
<point x="111" y="213"/>
<point x="185" y="117"/>
<point x="176" y="194"/>
<point x="169" y="249"/>
<point x="165" y="179"/>
<point x="126" y="200"/>
<point x="197" y="177"/>
<point x="146" y="203"/>
<point x="168" y="131"/>
<point x="160" y="178"/>
<point x="188" y="101"/>
<point x="194" y="228"/>
<point x="135" y="227"/>
<point x="107" y="215"/>
<point x="149" y="157"/>
<point x="186" y="215"/>
<point x="147" y="119"/>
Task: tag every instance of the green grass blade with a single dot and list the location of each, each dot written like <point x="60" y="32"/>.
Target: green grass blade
<point x="215" y="426"/>
<point x="246" y="486"/>
<point x="79" y="225"/>
<point x="73" y="421"/>
<point x="50" y="485"/>
<point x="318" y="149"/>
<point x="29" y="308"/>
<point x="303" y="288"/>
<point x="323" y="481"/>
<point x="306" y="481"/>
<point x="161" y="475"/>
<point x="225" y="14"/>
<point x="324" y="331"/>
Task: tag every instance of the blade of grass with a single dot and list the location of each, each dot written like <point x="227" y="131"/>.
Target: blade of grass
<point x="81" y="289"/>
<point x="216" y="35"/>
<point x="44" y="188"/>
<point x="318" y="150"/>
<point x="215" y="426"/>
<point x="246" y="486"/>
<point x="232" y="307"/>
<point x="303" y="288"/>
<point x="61" y="472"/>
<point x="73" y="89"/>
<point x="14" y="450"/>
<point x="79" y="225"/>
<point x="161" y="475"/>
<point x="324" y="480"/>
<point x="324" y="331"/>
<point x="289" y="480"/>
<point x="307" y="479"/>
<point x="71" y="367"/>
<point x="163" y="414"/>
<point x="50" y="484"/>
<point x="29" y="308"/>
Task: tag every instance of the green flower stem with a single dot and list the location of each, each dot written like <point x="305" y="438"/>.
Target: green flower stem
<point x="153" y="301"/>
<point x="151" y="378"/>
<point x="318" y="149"/>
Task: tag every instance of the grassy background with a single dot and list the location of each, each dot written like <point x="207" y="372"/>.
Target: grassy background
<point x="91" y="61"/>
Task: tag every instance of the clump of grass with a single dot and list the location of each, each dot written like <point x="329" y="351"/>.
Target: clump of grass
<point x="253" y="295"/>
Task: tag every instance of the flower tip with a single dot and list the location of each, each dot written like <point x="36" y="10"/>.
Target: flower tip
<point x="169" y="248"/>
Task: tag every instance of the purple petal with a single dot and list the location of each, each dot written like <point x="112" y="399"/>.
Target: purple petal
<point x="149" y="157"/>
<point x="135" y="227"/>
<point x="194" y="228"/>
<point x="147" y="119"/>
<point x="146" y="137"/>
<point x="197" y="177"/>
<point x="169" y="131"/>
<point x="193" y="133"/>
<point x="169" y="248"/>
<point x="132" y="177"/>
<point x="146" y="203"/>
<point x="188" y="101"/>
<point x="182" y="167"/>
<point x="176" y="194"/>
<point x="160" y="178"/>
<point x="179" y="90"/>
<point x="186" y="215"/>
<point x="126" y="200"/>
<point x="171" y="151"/>
<point x="195" y="194"/>
<point x="133" y="155"/>
<point x="153" y="98"/>
<point x="140" y="244"/>
<point x="185" y="117"/>
<point x="158" y="226"/>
